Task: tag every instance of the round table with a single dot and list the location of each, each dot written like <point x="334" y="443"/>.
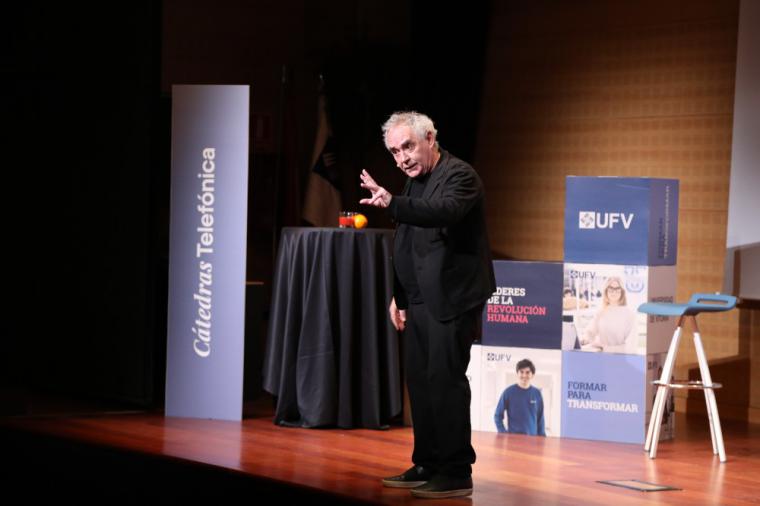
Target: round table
<point x="332" y="356"/>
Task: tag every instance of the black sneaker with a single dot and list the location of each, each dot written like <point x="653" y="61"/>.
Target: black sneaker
<point x="441" y="486"/>
<point x="412" y="477"/>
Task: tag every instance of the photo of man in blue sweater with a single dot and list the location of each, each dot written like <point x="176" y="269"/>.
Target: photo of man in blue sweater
<point x="523" y="404"/>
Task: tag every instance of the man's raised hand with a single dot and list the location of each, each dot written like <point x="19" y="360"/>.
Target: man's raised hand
<point x="380" y="196"/>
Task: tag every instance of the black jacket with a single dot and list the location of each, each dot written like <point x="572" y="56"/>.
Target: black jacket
<point x="450" y="248"/>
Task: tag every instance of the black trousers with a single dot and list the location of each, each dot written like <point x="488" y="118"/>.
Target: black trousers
<point x="437" y="355"/>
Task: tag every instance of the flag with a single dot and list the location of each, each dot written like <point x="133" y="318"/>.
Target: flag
<point x="322" y="202"/>
<point x="288" y="208"/>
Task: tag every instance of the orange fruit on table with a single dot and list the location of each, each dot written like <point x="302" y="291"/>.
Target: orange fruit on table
<point x="360" y="221"/>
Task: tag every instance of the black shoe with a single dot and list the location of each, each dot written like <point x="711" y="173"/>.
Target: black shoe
<point x="444" y="486"/>
<point x="412" y="477"/>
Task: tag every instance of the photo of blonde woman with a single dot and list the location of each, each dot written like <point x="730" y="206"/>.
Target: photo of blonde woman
<point x="612" y="328"/>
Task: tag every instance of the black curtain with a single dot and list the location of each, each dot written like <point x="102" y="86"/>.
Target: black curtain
<point x="90" y="181"/>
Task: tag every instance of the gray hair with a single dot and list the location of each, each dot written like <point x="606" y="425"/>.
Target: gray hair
<point x="418" y="122"/>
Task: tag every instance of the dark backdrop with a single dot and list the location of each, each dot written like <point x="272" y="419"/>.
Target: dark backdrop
<point x="90" y="131"/>
<point x="87" y="273"/>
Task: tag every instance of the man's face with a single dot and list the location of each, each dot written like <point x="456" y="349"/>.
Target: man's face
<point x="414" y="156"/>
<point x="524" y="376"/>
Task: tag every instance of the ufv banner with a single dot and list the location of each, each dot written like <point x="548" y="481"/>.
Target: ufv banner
<point x="209" y="201"/>
<point x="603" y="396"/>
<point x="526" y="308"/>
<point x="616" y="220"/>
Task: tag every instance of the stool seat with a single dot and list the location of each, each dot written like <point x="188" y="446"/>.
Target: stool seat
<point x="699" y="303"/>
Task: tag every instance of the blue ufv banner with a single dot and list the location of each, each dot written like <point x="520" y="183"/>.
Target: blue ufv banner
<point x="209" y="201"/>
<point x="603" y="396"/>
<point x="526" y="309"/>
<point x="617" y="220"/>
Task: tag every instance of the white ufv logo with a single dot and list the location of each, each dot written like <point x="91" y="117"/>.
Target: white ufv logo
<point x="591" y="219"/>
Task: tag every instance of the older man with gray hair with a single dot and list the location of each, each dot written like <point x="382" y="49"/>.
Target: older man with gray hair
<point x="443" y="276"/>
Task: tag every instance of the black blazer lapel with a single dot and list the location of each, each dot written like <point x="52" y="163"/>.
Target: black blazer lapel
<point x="407" y="187"/>
<point x="437" y="176"/>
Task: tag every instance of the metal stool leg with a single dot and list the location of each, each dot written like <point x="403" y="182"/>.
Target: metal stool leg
<point x="658" y="421"/>
<point x="653" y="417"/>
<point x="716" y="432"/>
<point x="701" y="358"/>
<point x="655" y="421"/>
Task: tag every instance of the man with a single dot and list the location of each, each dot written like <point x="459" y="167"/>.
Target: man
<point x="444" y="275"/>
<point x="523" y="403"/>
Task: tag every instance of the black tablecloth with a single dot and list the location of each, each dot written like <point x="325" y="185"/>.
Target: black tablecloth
<point x="332" y="355"/>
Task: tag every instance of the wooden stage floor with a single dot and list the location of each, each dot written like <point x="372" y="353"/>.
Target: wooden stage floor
<point x="346" y="465"/>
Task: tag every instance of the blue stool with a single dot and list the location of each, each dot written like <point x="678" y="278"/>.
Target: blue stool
<point x="699" y="303"/>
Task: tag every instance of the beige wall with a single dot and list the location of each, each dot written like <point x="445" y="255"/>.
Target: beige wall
<point x="598" y="87"/>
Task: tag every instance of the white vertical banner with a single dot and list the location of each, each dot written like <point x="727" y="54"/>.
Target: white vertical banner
<point x="742" y="266"/>
<point x="207" y="260"/>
